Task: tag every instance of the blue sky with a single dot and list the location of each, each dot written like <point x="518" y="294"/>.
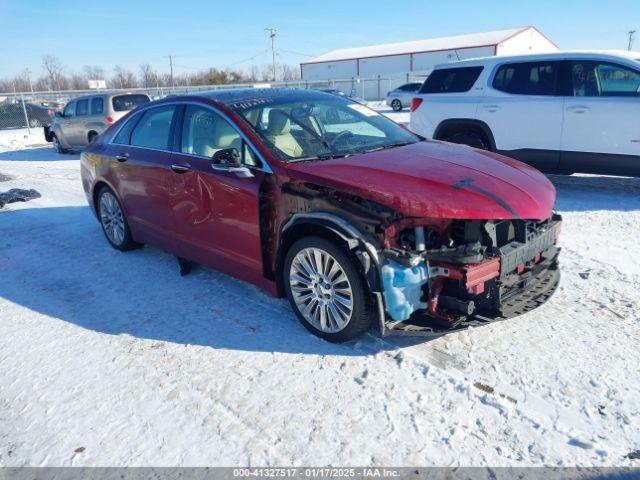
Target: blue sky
<point x="227" y="34"/>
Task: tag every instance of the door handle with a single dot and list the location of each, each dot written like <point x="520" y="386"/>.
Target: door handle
<point x="181" y="167"/>
<point x="123" y="157"/>
<point x="491" y="108"/>
<point x="578" y="108"/>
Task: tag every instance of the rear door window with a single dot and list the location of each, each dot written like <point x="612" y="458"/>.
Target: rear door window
<point x="82" y="108"/>
<point x="124" y="103"/>
<point x="97" y="106"/>
<point x="528" y="78"/>
<point x="153" y="129"/>
<point x="451" y="80"/>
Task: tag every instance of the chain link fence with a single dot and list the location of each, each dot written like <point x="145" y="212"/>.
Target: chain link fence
<point x="33" y="110"/>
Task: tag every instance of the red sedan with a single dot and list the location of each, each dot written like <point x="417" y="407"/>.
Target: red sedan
<point x="356" y="220"/>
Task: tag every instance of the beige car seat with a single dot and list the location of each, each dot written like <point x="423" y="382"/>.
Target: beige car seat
<point x="210" y="133"/>
<point x="279" y="133"/>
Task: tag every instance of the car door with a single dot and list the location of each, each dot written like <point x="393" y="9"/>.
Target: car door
<point x="216" y="212"/>
<point x="65" y="123"/>
<point x="601" y="131"/>
<point x="77" y="130"/>
<point x="140" y="171"/>
<point x="523" y="107"/>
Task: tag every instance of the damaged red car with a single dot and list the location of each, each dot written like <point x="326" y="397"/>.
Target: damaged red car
<point x="359" y="222"/>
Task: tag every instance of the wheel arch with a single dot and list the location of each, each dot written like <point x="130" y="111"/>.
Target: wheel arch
<point x="336" y="229"/>
<point x="454" y="125"/>
<point x="97" y="186"/>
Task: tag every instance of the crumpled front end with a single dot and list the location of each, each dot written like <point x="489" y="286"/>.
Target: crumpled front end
<point x="446" y="275"/>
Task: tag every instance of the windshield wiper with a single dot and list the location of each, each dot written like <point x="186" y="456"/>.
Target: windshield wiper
<point x="321" y="157"/>
<point x="386" y="147"/>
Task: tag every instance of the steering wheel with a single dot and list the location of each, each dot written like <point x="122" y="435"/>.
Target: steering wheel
<point x="342" y="137"/>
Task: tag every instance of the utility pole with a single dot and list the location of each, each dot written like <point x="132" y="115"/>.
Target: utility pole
<point x="171" y="69"/>
<point x="631" y="32"/>
<point x="272" y="34"/>
<point x="29" y="78"/>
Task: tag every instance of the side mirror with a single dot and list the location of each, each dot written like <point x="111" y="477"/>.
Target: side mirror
<point x="229" y="157"/>
<point x="229" y="160"/>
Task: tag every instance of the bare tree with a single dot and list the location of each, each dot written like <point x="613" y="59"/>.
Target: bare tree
<point x="148" y="75"/>
<point x="54" y="70"/>
<point x="93" y="72"/>
<point x="287" y="72"/>
<point x="123" y="78"/>
<point x="78" y="81"/>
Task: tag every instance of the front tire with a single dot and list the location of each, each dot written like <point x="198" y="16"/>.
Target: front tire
<point x="57" y="145"/>
<point x="113" y="221"/>
<point x="396" y="105"/>
<point x="325" y="289"/>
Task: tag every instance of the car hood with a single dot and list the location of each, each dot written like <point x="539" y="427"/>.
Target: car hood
<point x="434" y="179"/>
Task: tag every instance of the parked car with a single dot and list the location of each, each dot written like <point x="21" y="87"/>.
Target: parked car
<point x="356" y="220"/>
<point x="560" y="112"/>
<point x="12" y="115"/>
<point x="401" y="97"/>
<point x="84" y="118"/>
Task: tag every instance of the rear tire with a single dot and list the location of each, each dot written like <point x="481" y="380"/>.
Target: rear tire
<point x="113" y="221"/>
<point x="91" y="137"/>
<point x="471" y="139"/>
<point x="319" y="270"/>
<point x="396" y="105"/>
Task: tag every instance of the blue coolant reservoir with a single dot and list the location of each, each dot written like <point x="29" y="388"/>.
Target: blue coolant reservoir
<point x="403" y="288"/>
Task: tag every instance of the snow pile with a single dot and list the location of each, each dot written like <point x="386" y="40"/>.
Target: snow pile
<point x="19" y="138"/>
<point x="114" y="359"/>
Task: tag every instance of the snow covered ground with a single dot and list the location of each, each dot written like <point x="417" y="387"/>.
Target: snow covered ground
<point x="114" y="359"/>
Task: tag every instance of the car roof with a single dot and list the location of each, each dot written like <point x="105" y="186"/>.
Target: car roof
<point x="106" y="94"/>
<point x="611" y="55"/>
<point x="232" y="96"/>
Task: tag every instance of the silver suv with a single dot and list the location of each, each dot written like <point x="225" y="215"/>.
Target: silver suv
<point x="84" y="118"/>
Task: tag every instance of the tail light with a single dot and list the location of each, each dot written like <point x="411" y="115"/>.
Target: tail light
<point x="109" y="119"/>
<point x="51" y="112"/>
<point x="415" y="103"/>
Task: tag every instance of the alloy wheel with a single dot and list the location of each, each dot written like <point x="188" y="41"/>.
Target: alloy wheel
<point x="112" y="218"/>
<point x="321" y="290"/>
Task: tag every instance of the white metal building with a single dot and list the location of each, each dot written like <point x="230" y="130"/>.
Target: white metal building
<point x="419" y="56"/>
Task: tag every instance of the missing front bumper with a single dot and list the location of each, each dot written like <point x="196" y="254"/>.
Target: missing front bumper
<point x="517" y="296"/>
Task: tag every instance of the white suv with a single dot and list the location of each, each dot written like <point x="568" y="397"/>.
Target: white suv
<point x="561" y="112"/>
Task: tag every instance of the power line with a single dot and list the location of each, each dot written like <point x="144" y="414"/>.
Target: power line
<point x="297" y="53"/>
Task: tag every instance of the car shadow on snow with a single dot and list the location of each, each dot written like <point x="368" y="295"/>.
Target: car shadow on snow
<point x="40" y="154"/>
<point x="60" y="265"/>
<point x="581" y="193"/>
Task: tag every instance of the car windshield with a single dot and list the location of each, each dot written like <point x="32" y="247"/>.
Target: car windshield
<point x="124" y="103"/>
<point x="320" y="127"/>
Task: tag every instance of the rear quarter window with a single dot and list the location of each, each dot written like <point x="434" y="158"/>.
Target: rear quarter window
<point x="451" y="80"/>
<point x="124" y="103"/>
